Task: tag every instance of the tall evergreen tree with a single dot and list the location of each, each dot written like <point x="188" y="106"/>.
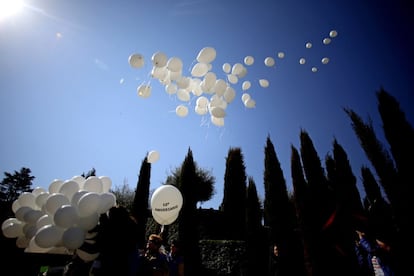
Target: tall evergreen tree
<point x="234" y="199"/>
<point x="256" y="240"/>
<point x="187" y="221"/>
<point x="140" y="204"/>
<point x="377" y="155"/>
<point x="324" y="205"/>
<point x="15" y="184"/>
<point x="303" y="204"/>
<point x="349" y="210"/>
<point x="279" y="211"/>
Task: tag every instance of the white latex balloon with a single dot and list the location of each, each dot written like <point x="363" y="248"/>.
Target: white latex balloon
<point x="44" y="220"/>
<point x="144" y="91"/>
<point x="326" y="41"/>
<point x="218" y="112"/>
<point x="159" y="59"/>
<point x="12" y="228"/>
<point x="171" y="88"/>
<point x="89" y="222"/>
<point x="264" y="83"/>
<point x="217" y="121"/>
<point x="66" y="216"/>
<point x="220" y="87"/>
<point x="206" y="55"/>
<point x="55" y="201"/>
<point x="245" y="97"/>
<point x="250" y="103"/>
<point x="136" y="60"/>
<point x="202" y="101"/>
<point x="106" y="183"/>
<point x="175" y="64"/>
<point x="164" y="220"/>
<point x="249" y="60"/>
<point x="246" y="85"/>
<point x="27" y="199"/>
<point x="55" y="185"/>
<point x="89" y="204"/>
<point x="281" y="55"/>
<point x="325" y="60"/>
<point x="181" y="111"/>
<point x="21" y="212"/>
<point x="308" y="45"/>
<point x="93" y="184"/>
<point x="153" y="156"/>
<point x="73" y="237"/>
<point x="160" y="73"/>
<point x="302" y="61"/>
<point x="199" y="69"/>
<point x="77" y="196"/>
<point x="201" y="110"/>
<point x="226" y="68"/>
<point x="38" y="190"/>
<point x="15" y="205"/>
<point x="233" y="79"/>
<point x="32" y="216"/>
<point x="229" y="94"/>
<point x="166" y="201"/>
<point x="269" y="61"/>
<point x="183" y="95"/>
<point x="48" y="236"/>
<point x="69" y="188"/>
<point x="108" y="200"/>
<point x="80" y="180"/>
<point x="314" y="69"/>
<point x="237" y="69"/>
<point x="333" y="33"/>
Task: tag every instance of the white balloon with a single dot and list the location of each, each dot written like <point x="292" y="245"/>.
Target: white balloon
<point x="206" y="55"/>
<point x="69" y="188"/>
<point x="183" y="82"/>
<point x="108" y="200"/>
<point x="245" y="97"/>
<point x="89" y="204"/>
<point x="237" y="69"/>
<point x="183" y="95"/>
<point x="269" y="61"/>
<point x="34" y="248"/>
<point x="171" y="88"/>
<point x="44" y="220"/>
<point x="217" y="121"/>
<point x="21" y="212"/>
<point x="308" y="45"/>
<point x="136" y="60"/>
<point x="15" y="205"/>
<point x="246" y="85"/>
<point x="202" y="101"/>
<point x="209" y="80"/>
<point x="333" y="33"/>
<point x="106" y="183"/>
<point x="27" y="199"/>
<point x="233" y="79"/>
<point x="160" y="73"/>
<point x="201" y="110"/>
<point x="326" y="41"/>
<point x="153" y="156"/>
<point x="229" y="94"/>
<point x="250" y="103"/>
<point x="164" y="220"/>
<point x="220" y="87"/>
<point x="159" y="59"/>
<point x="264" y="83"/>
<point x="302" y="61"/>
<point x="199" y="69"/>
<point x="73" y="237"/>
<point x="89" y="222"/>
<point x="174" y="64"/>
<point x="38" y="190"/>
<point x="77" y="196"/>
<point x="93" y="184"/>
<point x="48" y="236"/>
<point x="32" y="216"/>
<point x="85" y="256"/>
<point x="218" y="112"/>
<point x="9" y="221"/>
<point x="55" y="201"/>
<point x="314" y="69"/>
<point x="166" y="201"/>
<point x="66" y="216"/>
<point x="181" y="110"/>
<point x="249" y="60"/>
<point x="12" y="229"/>
<point x="325" y="60"/>
<point x="55" y="185"/>
<point x="80" y="180"/>
<point x="226" y="68"/>
<point x="144" y="90"/>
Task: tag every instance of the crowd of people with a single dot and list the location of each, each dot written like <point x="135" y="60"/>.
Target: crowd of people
<point x="120" y="254"/>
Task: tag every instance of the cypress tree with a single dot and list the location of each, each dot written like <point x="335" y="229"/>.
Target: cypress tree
<point x="256" y="240"/>
<point x="303" y="204"/>
<point x="187" y="220"/>
<point x="140" y="203"/>
<point x="233" y="205"/>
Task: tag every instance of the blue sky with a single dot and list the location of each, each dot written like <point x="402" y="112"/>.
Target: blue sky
<point x="68" y="96"/>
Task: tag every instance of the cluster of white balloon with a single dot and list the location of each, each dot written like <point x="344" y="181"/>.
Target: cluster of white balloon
<point x="213" y="93"/>
<point x="166" y="203"/>
<point x="57" y="220"/>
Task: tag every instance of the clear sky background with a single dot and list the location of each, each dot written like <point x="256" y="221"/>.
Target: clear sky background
<point x="68" y="96"/>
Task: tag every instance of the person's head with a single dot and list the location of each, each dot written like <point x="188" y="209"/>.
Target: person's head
<point x="154" y="242"/>
<point x="275" y="250"/>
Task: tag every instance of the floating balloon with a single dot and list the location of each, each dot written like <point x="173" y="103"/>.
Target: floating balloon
<point x="308" y="45"/>
<point x="326" y="41"/>
<point x="48" y="236"/>
<point x="55" y="185"/>
<point x="264" y="83"/>
<point x="159" y="59"/>
<point x="250" y="103"/>
<point x="246" y="85"/>
<point x="314" y="69"/>
<point x="302" y="61"/>
<point x="206" y="55"/>
<point x="73" y="237"/>
<point x="166" y="201"/>
<point x="218" y="112"/>
<point x="229" y="94"/>
<point x="164" y="220"/>
<point x="153" y="156"/>
<point x="136" y="60"/>
<point x="269" y="61"/>
<point x="181" y="111"/>
<point x="226" y="68"/>
<point x="199" y="69"/>
<point x="175" y="64"/>
<point x="249" y="60"/>
<point x="144" y="91"/>
<point x="281" y="55"/>
<point x="325" y="60"/>
<point x="89" y="204"/>
<point x="66" y="216"/>
<point x="217" y="121"/>
<point x="93" y="184"/>
<point x="333" y="33"/>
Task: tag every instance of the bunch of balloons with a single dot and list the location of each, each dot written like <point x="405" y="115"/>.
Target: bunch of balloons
<point x="57" y="220"/>
<point x="212" y="93"/>
<point x="166" y="203"/>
